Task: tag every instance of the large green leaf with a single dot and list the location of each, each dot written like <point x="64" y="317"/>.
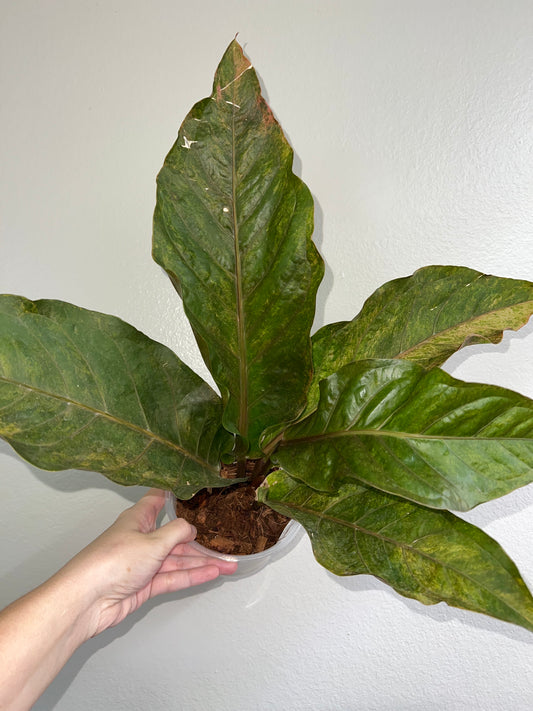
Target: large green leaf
<point x="80" y="389"/>
<point x="425" y="318"/>
<point x="232" y="227"/>
<point x="420" y="434"/>
<point x="428" y="555"/>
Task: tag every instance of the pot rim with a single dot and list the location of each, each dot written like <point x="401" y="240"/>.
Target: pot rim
<point x="290" y="535"/>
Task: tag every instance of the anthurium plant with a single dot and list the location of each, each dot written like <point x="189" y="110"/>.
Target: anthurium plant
<point x="365" y="440"/>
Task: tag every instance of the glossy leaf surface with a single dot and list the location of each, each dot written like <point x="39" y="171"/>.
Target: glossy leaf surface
<point x="424" y="318"/>
<point x="232" y="227"/>
<point x="428" y="555"/>
<point x="80" y="389"/>
<point x="422" y="435"/>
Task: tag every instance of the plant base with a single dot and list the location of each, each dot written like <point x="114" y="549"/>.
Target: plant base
<point x="231" y="521"/>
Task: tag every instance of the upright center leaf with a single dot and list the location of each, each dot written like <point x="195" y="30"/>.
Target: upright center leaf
<point x="232" y="228"/>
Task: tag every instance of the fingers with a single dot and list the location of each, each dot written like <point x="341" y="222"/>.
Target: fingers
<point x="172" y="581"/>
<point x="188" y="562"/>
<point x="182" y="579"/>
<point x="186" y="549"/>
<point x="185" y="567"/>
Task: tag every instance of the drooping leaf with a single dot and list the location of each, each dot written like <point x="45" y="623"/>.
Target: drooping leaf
<point x="232" y="228"/>
<point x="420" y="434"/>
<point x="80" y="389"/>
<point x="428" y="555"/>
<point x="424" y="318"/>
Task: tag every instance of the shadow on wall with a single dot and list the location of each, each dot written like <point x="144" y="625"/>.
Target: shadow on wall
<point x="457" y="359"/>
<point x="326" y="285"/>
<point x="70" y="480"/>
<point x="439" y="613"/>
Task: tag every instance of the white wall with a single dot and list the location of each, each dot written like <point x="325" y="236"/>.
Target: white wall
<point x="411" y="123"/>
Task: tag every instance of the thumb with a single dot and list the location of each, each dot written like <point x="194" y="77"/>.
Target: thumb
<point x="175" y="532"/>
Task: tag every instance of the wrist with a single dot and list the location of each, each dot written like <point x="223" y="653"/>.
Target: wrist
<point x="78" y="597"/>
<point x="38" y="633"/>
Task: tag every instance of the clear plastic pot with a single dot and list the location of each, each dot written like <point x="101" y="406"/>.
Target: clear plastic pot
<point x="248" y="564"/>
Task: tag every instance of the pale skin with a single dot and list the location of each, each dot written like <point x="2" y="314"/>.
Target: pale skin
<point x="131" y="562"/>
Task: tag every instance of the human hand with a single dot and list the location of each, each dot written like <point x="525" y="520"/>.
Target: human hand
<point x="133" y="561"/>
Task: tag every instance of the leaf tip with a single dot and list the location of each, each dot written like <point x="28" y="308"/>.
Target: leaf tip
<point x="232" y="66"/>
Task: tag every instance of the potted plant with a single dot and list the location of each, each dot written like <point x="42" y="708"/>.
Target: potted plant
<point x="354" y="432"/>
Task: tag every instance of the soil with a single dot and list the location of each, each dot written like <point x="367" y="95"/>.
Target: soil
<point x="230" y="520"/>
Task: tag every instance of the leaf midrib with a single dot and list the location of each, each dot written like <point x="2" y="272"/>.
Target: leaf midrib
<point x="241" y="330"/>
<point x="462" y="325"/>
<point x="310" y="439"/>
<point x="420" y="345"/>
<point x="112" y="418"/>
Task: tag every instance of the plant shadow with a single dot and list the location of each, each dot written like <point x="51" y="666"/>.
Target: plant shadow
<point x="458" y="359"/>
<point x="72" y="480"/>
<point x="441" y="613"/>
